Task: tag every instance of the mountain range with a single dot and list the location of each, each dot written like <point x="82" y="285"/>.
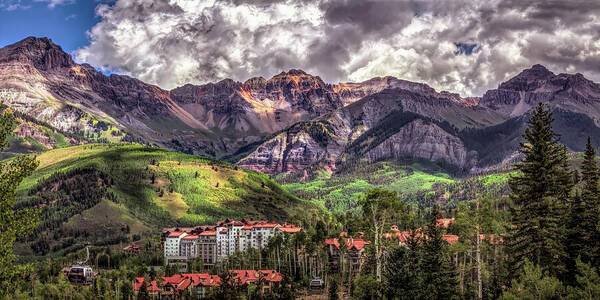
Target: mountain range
<point x="295" y="122"/>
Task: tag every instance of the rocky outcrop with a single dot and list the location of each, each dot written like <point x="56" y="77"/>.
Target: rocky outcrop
<point x="422" y="140"/>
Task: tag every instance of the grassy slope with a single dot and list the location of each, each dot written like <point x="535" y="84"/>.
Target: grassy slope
<point x="218" y="191"/>
<point x="341" y="192"/>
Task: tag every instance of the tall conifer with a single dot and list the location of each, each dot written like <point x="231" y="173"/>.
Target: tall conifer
<point x="540" y="197"/>
<point x="583" y="236"/>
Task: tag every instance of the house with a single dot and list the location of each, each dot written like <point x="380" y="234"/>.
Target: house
<point x="198" y="285"/>
<point x="354" y="248"/>
<point x="132" y="248"/>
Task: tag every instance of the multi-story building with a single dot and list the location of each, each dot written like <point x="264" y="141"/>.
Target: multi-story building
<point x="215" y="243"/>
<point x="354" y="257"/>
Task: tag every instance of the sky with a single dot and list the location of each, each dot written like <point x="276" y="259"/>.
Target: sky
<point x="456" y="45"/>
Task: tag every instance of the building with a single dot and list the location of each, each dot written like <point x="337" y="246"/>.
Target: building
<point x="354" y="248"/>
<point x="173" y="287"/>
<point x="215" y="243"/>
<point x="199" y="285"/>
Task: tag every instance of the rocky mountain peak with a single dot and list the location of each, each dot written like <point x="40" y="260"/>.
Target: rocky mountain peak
<point x="44" y="54"/>
<point x="296" y="78"/>
<point x="529" y="79"/>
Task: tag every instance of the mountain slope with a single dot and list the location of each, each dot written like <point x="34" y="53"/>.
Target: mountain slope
<point x="85" y="187"/>
<point x="295" y="122"/>
<point x="463" y="135"/>
<point x="391" y="124"/>
<point x="37" y="78"/>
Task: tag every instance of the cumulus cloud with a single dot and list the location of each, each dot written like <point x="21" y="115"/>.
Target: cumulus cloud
<point x="461" y="46"/>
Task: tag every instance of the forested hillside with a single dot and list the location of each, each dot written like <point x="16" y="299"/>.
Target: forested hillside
<point x="109" y="193"/>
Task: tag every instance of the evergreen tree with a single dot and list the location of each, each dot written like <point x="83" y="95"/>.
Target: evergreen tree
<point x="439" y="277"/>
<point x="583" y="236"/>
<point x="333" y="289"/>
<point x="229" y="288"/>
<point x="533" y="284"/>
<point x="540" y="193"/>
<point x="403" y="276"/>
<point x="13" y="222"/>
<point x="143" y="292"/>
<point x="588" y="282"/>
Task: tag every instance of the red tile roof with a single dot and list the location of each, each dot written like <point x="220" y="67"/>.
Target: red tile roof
<point x="175" y="234"/>
<point x="450" y="238"/>
<point x="251" y="276"/>
<point x="444" y="223"/>
<point x="333" y="242"/>
<point x="356" y="244"/>
<point x="190" y="237"/>
<point x="208" y="232"/>
<point x="289" y="228"/>
<point x="182" y="282"/>
<point x="350" y="243"/>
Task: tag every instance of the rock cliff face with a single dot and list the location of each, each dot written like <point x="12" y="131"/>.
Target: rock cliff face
<point x="423" y="140"/>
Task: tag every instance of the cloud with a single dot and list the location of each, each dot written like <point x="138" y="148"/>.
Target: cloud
<point x="12" y="5"/>
<point x="55" y="3"/>
<point x="461" y="46"/>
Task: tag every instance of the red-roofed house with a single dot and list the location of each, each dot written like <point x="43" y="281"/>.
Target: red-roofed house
<point x="444" y="223"/>
<point x="354" y="247"/>
<point x="199" y="284"/>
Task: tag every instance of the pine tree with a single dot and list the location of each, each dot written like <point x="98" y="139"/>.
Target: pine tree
<point x="403" y="275"/>
<point x="13" y="222"/>
<point x="540" y="193"/>
<point x="583" y="236"/>
<point x="438" y="275"/>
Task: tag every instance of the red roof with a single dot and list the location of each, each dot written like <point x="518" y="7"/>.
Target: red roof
<point x="356" y="244"/>
<point x="182" y="282"/>
<point x="175" y="234"/>
<point x="208" y="232"/>
<point x="444" y="223"/>
<point x="245" y="224"/>
<point x="333" y="242"/>
<point x="139" y="281"/>
<point x="190" y="237"/>
<point x="450" y="238"/>
<point x="250" y="276"/>
<point x="350" y="243"/>
<point x="289" y="228"/>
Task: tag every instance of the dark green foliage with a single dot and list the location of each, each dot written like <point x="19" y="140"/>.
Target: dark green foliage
<point x="333" y="289"/>
<point x="583" y="242"/>
<point x="229" y="288"/>
<point x="421" y="269"/>
<point x="540" y="193"/>
<point x="531" y="283"/>
<point x="62" y="196"/>
<point x="366" y="287"/>
<point x="321" y="131"/>
<point x="403" y="277"/>
<point x="14" y="222"/>
<point x="587" y="282"/>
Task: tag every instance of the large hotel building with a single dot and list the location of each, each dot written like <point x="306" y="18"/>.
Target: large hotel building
<point x="214" y="243"/>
